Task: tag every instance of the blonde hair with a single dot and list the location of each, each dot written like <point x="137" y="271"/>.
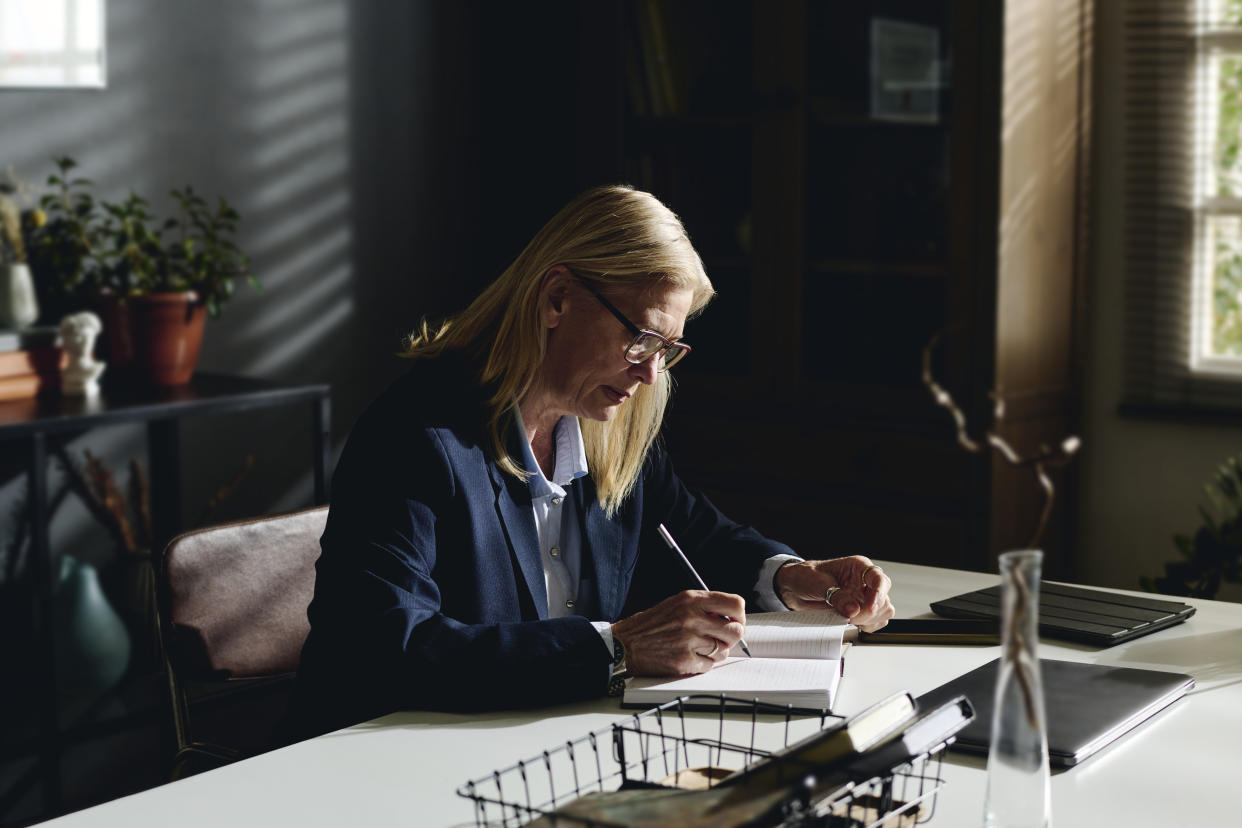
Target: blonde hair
<point x="617" y="238"/>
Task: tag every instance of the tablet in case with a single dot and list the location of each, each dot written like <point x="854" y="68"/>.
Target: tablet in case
<point x="1091" y="616"/>
<point x="1088" y="706"/>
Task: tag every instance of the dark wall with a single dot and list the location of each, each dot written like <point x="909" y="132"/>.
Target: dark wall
<point x="388" y="159"/>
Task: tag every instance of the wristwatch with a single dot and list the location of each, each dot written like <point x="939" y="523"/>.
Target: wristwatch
<point x="616" y="682"/>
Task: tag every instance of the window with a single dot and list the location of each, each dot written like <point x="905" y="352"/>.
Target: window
<point x="1216" y="337"/>
<point x="1183" y="203"/>
<point x="51" y="43"/>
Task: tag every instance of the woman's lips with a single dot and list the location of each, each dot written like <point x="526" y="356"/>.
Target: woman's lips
<point x="615" y="394"/>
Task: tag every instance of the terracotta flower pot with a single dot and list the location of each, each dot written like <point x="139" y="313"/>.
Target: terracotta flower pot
<point x="153" y="339"/>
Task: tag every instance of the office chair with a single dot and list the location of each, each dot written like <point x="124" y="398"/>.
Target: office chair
<point x="232" y="611"/>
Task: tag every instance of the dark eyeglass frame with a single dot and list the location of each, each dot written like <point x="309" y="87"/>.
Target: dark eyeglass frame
<point x="669" y="352"/>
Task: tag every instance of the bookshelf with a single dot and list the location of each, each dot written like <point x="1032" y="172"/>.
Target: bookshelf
<point x="857" y="177"/>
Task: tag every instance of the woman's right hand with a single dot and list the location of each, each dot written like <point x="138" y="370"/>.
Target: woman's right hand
<point x="685" y="634"/>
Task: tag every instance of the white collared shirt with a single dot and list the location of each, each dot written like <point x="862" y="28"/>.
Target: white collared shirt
<point x="560" y="535"/>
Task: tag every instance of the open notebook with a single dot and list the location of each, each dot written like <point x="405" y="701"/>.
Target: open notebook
<point x="797" y="661"/>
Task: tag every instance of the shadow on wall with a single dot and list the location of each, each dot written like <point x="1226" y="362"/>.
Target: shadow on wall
<point x="249" y="100"/>
<point x="286" y="79"/>
<point x="283" y="147"/>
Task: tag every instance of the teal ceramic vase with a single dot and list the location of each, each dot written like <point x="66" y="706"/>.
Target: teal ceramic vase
<point x="92" y="644"/>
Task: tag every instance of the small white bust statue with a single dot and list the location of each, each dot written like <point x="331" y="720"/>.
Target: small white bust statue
<point x="77" y="335"/>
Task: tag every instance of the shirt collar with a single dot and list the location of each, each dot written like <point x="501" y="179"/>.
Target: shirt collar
<point x="571" y="461"/>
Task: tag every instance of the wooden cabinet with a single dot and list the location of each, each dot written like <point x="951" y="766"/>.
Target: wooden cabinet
<point x="857" y="177"/>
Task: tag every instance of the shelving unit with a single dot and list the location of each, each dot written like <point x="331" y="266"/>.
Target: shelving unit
<point x="842" y="231"/>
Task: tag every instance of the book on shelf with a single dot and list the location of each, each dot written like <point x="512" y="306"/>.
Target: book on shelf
<point x="798" y="660"/>
<point x="44" y="336"/>
<point x="41" y="360"/>
<point x="650" y="76"/>
<point x="32" y="369"/>
<point x="26" y="385"/>
<point x="663" y="58"/>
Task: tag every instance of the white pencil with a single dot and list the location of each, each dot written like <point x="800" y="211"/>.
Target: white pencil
<point x="672" y="544"/>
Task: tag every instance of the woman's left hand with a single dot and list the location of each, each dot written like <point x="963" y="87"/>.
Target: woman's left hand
<point x="858" y="589"/>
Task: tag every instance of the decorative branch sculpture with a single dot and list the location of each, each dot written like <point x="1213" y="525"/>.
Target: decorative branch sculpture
<point x="1045" y="457"/>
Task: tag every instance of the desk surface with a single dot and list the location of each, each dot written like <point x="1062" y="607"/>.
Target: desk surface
<point x="1181" y="768"/>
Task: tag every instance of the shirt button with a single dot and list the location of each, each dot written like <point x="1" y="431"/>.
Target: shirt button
<point x="554" y="552"/>
<point x="556" y="501"/>
<point x="569" y="604"/>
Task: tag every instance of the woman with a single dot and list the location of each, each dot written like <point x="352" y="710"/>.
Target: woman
<point x="492" y="537"/>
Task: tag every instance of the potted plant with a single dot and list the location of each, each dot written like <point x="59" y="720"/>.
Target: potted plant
<point x="62" y="236"/>
<point x="1212" y="555"/>
<point x="160" y="282"/>
<point x="153" y="282"/>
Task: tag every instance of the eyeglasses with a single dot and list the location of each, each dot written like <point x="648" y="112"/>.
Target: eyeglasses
<point x="645" y="344"/>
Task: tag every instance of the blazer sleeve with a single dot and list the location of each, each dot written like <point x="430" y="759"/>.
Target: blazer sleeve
<point x="380" y="639"/>
<point x="727" y="554"/>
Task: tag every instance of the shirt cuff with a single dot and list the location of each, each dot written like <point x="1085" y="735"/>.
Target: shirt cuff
<point x="604" y="628"/>
<point x="765" y="587"/>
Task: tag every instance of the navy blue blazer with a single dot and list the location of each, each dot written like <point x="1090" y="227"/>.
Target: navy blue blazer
<point x="430" y="586"/>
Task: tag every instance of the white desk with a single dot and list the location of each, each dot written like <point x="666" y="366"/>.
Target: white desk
<point x="1182" y="768"/>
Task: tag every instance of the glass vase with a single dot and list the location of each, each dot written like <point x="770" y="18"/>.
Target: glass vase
<point x="1019" y="784"/>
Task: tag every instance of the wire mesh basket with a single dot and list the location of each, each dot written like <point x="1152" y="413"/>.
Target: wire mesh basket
<point x="689" y="745"/>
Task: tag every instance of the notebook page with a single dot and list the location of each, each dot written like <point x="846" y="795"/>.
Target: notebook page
<point x="801" y="634"/>
<point x="746" y="677"/>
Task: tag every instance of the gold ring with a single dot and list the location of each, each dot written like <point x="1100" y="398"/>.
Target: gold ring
<point x="829" y="592"/>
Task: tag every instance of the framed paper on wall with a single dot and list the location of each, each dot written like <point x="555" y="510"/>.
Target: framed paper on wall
<point x="905" y="71"/>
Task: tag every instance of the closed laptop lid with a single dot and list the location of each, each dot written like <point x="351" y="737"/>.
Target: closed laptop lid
<point x="1088" y="706"/>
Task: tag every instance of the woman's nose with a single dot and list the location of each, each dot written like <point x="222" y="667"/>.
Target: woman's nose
<point x="646" y="372"/>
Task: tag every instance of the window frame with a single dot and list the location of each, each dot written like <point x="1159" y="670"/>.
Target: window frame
<point x="77" y="60"/>
<point x="1171" y="50"/>
<point x="1212" y="43"/>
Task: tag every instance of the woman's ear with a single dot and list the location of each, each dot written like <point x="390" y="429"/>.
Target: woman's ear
<point x="553" y="292"/>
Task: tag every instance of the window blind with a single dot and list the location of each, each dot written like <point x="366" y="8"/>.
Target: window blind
<point x="1170" y="210"/>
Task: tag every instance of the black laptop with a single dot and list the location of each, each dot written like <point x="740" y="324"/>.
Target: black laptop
<point x="1088" y="706"/>
<point x="1091" y="616"/>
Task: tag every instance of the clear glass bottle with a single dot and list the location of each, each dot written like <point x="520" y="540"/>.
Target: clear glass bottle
<point x="1019" y="785"/>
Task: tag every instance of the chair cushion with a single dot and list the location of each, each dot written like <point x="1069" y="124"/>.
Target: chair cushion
<point x="237" y="595"/>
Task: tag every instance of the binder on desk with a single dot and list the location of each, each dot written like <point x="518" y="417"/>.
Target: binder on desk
<point x="1087" y="706"/>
